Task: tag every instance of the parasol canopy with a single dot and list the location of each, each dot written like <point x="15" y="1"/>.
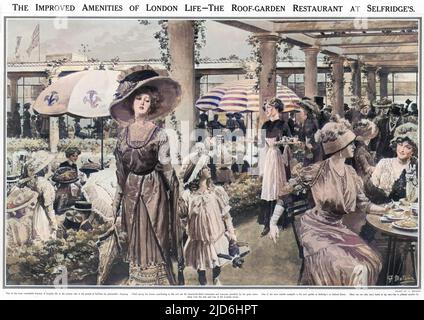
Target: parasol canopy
<point x="84" y="94"/>
<point x="240" y="96"/>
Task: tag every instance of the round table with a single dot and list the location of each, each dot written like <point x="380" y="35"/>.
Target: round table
<point x="394" y="235"/>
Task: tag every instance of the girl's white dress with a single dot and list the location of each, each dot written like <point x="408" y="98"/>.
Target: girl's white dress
<point x="204" y="214"/>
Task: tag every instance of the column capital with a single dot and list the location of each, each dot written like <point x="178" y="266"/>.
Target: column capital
<point x="337" y="59"/>
<point x="311" y="50"/>
<point x="354" y="64"/>
<point x="370" y="68"/>
<point x="284" y="74"/>
<point x="13" y="76"/>
<point x="267" y="37"/>
<point x="383" y="72"/>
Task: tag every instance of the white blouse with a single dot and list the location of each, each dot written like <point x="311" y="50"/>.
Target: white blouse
<point x="386" y="173"/>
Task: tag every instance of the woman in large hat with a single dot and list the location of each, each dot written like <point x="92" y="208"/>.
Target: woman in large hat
<point x="147" y="188"/>
<point x="335" y="255"/>
<point x="44" y="225"/>
<point x="20" y="201"/>
<point x="395" y="177"/>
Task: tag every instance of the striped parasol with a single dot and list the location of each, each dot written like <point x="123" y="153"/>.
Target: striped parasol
<point x="240" y="96"/>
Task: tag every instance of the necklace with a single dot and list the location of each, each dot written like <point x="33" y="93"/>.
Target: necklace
<point x="342" y="177"/>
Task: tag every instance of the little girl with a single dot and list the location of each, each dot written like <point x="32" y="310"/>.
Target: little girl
<point x="205" y="212"/>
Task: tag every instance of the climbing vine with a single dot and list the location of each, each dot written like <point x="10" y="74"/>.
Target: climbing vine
<point x="255" y="55"/>
<point x="199" y="30"/>
<point x="329" y="85"/>
<point x="162" y="37"/>
<point x="143" y="22"/>
<point x="285" y="49"/>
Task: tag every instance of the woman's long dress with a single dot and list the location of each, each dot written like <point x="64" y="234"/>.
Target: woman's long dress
<point x="145" y="174"/>
<point x="43" y="211"/>
<point x="334" y="255"/>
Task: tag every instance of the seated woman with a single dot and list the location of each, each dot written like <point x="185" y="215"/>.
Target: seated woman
<point x="72" y="155"/>
<point x="67" y="189"/>
<point x="392" y="177"/>
<point x="42" y="224"/>
<point x="69" y="180"/>
<point x="334" y="255"/>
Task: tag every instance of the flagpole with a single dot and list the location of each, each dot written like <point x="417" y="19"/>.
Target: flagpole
<point x="39" y="44"/>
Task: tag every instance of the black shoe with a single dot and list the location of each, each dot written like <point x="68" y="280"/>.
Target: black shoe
<point x="265" y="232"/>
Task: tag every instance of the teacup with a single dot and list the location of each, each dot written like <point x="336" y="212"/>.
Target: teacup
<point x="404" y="202"/>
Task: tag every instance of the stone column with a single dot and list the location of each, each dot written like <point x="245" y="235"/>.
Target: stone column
<point x="371" y="80"/>
<point x="338" y="85"/>
<point x="356" y="78"/>
<point x="384" y="80"/>
<point x="267" y="77"/>
<point x="181" y="49"/>
<point x="13" y="90"/>
<point x="311" y="72"/>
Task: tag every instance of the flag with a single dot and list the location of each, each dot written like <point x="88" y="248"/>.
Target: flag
<point x="18" y="44"/>
<point x="35" y="41"/>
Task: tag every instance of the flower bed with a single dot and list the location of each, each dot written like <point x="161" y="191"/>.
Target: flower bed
<point x="87" y="145"/>
<point x="30" y="145"/>
<point x="40" y="264"/>
<point x="245" y="194"/>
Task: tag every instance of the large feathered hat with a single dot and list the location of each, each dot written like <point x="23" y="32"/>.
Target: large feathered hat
<point x="310" y="106"/>
<point x="365" y="130"/>
<point x="168" y="90"/>
<point x="406" y="132"/>
<point x="335" y="135"/>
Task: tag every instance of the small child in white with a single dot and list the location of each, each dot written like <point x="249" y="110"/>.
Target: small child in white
<point x="205" y="212"/>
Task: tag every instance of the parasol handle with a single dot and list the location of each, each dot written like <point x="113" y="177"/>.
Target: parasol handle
<point x="101" y="143"/>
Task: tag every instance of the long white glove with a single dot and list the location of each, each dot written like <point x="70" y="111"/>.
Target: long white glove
<point x="273" y="228"/>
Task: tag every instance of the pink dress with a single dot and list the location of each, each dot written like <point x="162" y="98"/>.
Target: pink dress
<point x="334" y="255"/>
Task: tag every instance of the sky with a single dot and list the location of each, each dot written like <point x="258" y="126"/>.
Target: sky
<point x="107" y="38"/>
